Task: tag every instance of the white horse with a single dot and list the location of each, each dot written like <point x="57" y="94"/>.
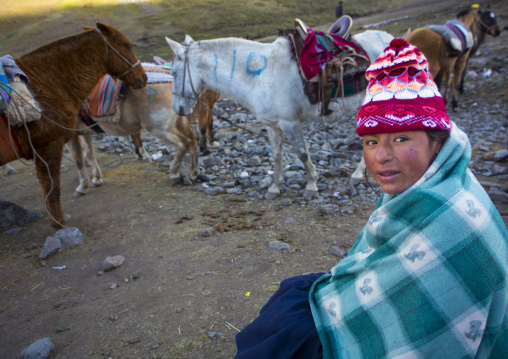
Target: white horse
<point x="265" y="80"/>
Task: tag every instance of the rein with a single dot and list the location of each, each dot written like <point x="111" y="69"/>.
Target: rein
<point x="132" y="66"/>
<point x="481" y="22"/>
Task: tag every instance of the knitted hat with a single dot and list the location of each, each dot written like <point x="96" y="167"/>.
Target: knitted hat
<point x="401" y="94"/>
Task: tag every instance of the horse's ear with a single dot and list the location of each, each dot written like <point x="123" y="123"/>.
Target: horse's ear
<point x="408" y="31"/>
<point x="86" y="28"/>
<point x="104" y="28"/>
<point x="178" y="49"/>
<point x="188" y="40"/>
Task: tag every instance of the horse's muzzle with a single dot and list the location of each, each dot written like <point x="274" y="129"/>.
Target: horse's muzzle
<point x="142" y="83"/>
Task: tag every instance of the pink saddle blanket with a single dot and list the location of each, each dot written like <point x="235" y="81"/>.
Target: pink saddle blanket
<point x="103" y="101"/>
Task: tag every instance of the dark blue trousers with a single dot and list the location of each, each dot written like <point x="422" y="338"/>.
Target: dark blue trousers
<point x="285" y="327"/>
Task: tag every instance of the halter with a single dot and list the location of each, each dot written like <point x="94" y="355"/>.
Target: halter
<point x="186" y="69"/>
<point x="485" y="25"/>
<point x="132" y="66"/>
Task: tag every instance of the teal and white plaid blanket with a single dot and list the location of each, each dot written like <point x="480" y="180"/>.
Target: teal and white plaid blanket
<point x="427" y="277"/>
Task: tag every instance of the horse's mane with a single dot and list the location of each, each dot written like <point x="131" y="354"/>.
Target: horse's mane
<point x="464" y="12"/>
<point x="59" y="42"/>
<point x="221" y="43"/>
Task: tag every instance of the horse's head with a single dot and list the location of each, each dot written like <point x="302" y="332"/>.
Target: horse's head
<point x="488" y="23"/>
<point x="185" y="88"/>
<point x="121" y="61"/>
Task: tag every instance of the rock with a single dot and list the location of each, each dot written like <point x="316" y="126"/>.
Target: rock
<point x="254" y="161"/>
<point x="278" y="245"/>
<point x="112" y="262"/>
<point x="501" y="155"/>
<point x="208" y="232"/>
<point x="336" y="251"/>
<point x="41" y="349"/>
<point x="290" y="220"/>
<point x="51" y="245"/>
<point x="11" y="214"/>
<point x="70" y="237"/>
<point x="497" y="195"/>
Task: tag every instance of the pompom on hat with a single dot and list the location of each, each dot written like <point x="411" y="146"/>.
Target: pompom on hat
<point x="401" y="94"/>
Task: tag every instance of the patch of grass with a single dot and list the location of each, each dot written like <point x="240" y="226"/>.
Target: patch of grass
<point x="146" y="23"/>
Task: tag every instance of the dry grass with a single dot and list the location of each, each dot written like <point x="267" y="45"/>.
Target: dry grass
<point x="27" y="24"/>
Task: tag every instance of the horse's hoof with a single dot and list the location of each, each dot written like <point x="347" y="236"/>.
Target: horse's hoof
<point x="205" y="152"/>
<point x="78" y="194"/>
<point x="96" y="184"/>
<point x="67" y="217"/>
<point x="175" y="180"/>
<point x="187" y="181"/>
<point x="308" y="194"/>
<point x="271" y="195"/>
<point x="11" y="171"/>
<point x="214" y="144"/>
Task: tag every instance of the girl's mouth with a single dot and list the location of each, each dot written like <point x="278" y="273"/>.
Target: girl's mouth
<point x="387" y="175"/>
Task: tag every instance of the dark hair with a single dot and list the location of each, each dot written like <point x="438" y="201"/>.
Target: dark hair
<point x="440" y="135"/>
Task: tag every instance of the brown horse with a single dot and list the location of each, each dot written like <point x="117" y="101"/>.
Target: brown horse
<point x="441" y="61"/>
<point x="203" y="115"/>
<point x="61" y="76"/>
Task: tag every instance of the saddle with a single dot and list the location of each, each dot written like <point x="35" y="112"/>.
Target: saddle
<point x="457" y="37"/>
<point x="329" y="64"/>
<point x="16" y="98"/>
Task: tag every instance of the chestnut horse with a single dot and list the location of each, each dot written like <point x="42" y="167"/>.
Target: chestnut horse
<point x="441" y="62"/>
<point x="61" y="76"/>
<point x="203" y="115"/>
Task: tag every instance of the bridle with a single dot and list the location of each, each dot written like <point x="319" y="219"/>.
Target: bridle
<point x="482" y="23"/>
<point x="186" y="70"/>
<point x="132" y="66"/>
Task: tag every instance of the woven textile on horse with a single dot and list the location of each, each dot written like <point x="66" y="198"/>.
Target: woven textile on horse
<point x="157" y="73"/>
<point x="330" y="66"/>
<point x="102" y="104"/>
<point x="457" y="36"/>
<point x="22" y="107"/>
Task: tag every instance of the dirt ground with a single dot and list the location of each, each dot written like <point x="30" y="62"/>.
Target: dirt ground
<point x="176" y="287"/>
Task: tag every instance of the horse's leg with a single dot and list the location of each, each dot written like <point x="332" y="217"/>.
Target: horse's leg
<point x="139" y="148"/>
<point x="51" y="156"/>
<point x="276" y="137"/>
<point x="294" y="133"/>
<point x="90" y="156"/>
<point x="210" y="134"/>
<point x="74" y="146"/>
<point x="358" y="174"/>
<point x="183" y="137"/>
<point x="203" y="125"/>
<point x="458" y="70"/>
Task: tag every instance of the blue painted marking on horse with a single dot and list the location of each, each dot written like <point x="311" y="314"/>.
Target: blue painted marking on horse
<point x="150" y="90"/>
<point x="215" y="68"/>
<point x="250" y="58"/>
<point x="233" y="66"/>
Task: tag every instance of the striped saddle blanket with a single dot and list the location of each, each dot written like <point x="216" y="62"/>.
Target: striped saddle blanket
<point x="457" y="37"/>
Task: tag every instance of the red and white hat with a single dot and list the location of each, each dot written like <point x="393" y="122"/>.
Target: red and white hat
<point x="401" y="94"/>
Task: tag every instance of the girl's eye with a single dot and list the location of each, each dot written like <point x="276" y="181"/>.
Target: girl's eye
<point x="370" y="143"/>
<point x="401" y="139"/>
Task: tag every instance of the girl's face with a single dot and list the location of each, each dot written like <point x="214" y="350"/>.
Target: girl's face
<point x="397" y="160"/>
